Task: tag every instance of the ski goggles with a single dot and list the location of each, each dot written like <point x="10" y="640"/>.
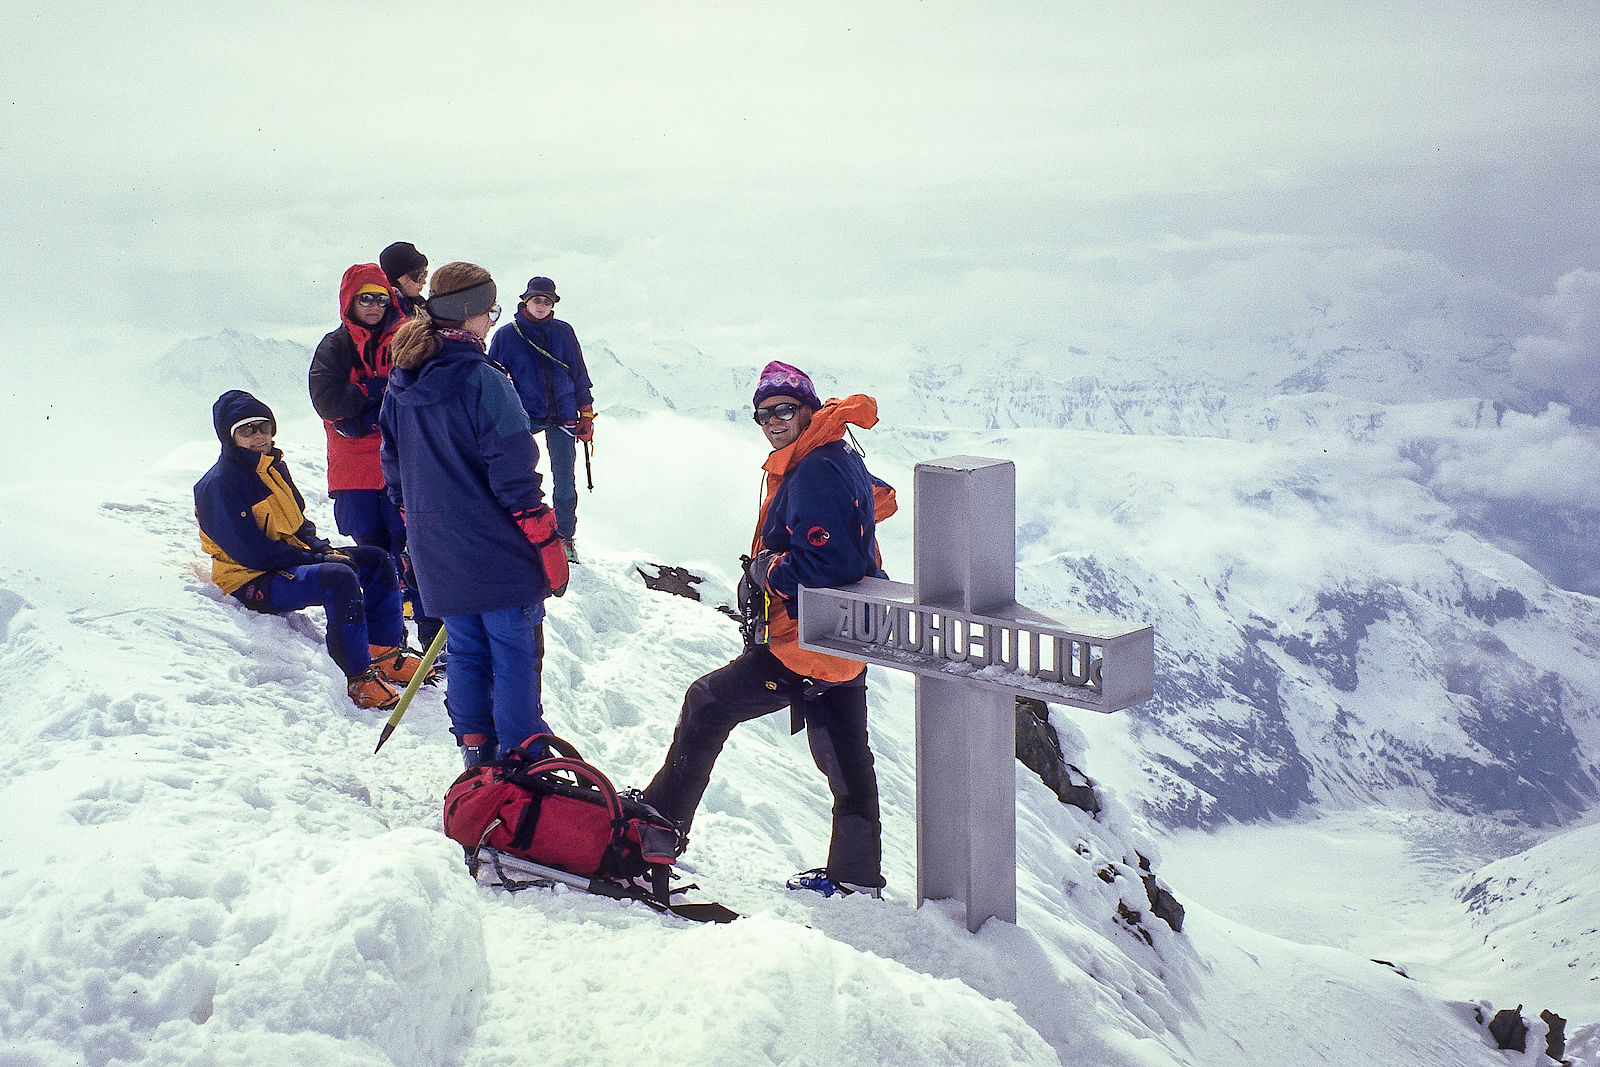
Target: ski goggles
<point x="784" y="412"/>
<point x="254" y="427"/>
<point x="367" y="300"/>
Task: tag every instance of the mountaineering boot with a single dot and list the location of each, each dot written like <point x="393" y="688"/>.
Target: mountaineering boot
<point x="484" y="750"/>
<point x="370" y="689"/>
<point x="817" y="881"/>
<point x="399" y="664"/>
<point x="569" y="545"/>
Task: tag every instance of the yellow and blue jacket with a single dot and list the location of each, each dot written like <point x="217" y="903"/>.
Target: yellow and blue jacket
<point x="252" y="518"/>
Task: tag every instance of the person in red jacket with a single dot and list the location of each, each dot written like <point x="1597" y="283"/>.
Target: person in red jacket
<point x="348" y="378"/>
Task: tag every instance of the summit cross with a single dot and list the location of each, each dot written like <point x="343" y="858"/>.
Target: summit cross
<point x="973" y="650"/>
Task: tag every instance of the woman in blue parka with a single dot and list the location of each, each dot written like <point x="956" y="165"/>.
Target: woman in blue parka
<point x="458" y="459"/>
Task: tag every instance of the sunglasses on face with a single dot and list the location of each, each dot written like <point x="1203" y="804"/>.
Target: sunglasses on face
<point x="545" y="300"/>
<point x="494" y="314"/>
<point x="418" y="276"/>
<point x="367" y="300"/>
<point x="253" y="429"/>
<point x="784" y="412"/>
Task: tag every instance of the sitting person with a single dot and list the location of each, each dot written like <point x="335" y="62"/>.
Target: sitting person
<point x="267" y="555"/>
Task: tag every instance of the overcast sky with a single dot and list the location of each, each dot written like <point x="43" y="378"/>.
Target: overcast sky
<point x="834" y="174"/>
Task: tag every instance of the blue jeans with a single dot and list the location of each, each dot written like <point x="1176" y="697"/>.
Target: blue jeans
<point x="562" y="448"/>
<point x="493" y="685"/>
<point x="362" y="602"/>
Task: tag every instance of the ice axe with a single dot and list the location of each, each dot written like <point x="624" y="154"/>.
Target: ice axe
<point x="399" y="711"/>
<point x="588" y="465"/>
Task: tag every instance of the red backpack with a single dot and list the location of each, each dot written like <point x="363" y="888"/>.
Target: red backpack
<point x="560" y="812"/>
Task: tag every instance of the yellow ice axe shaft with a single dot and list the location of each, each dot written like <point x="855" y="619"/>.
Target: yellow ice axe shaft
<point x="434" y="648"/>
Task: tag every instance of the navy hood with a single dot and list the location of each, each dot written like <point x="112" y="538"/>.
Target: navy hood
<point x="438" y="379"/>
<point x="232" y="408"/>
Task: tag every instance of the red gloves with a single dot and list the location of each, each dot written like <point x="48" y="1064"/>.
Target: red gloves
<point x="539" y="527"/>
<point x="584" y="431"/>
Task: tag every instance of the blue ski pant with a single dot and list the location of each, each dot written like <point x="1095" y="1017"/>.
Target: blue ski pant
<point x="369" y="517"/>
<point x="493" y="685"/>
<point x="835" y="718"/>
<point x="562" y="448"/>
<point x="362" y="599"/>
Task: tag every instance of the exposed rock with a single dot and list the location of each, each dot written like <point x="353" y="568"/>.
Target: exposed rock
<point x="1039" y="750"/>
<point x="1510" y="1032"/>
<point x="1163" y="904"/>
<point x="1555" y="1042"/>
<point x="1508" y="1029"/>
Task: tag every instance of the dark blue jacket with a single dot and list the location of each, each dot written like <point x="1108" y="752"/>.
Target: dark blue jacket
<point x="251" y="515"/>
<point x="459" y="458"/>
<point x="553" y="384"/>
<point x="821" y="521"/>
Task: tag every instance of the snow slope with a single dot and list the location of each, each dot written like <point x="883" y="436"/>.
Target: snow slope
<point x="206" y="863"/>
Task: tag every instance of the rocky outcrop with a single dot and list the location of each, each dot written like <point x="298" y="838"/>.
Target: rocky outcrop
<point x="1039" y="749"/>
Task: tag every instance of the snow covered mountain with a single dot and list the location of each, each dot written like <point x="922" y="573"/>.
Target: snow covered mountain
<point x="1337" y="619"/>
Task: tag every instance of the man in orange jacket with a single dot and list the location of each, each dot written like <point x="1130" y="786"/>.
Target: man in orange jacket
<point x="817" y="527"/>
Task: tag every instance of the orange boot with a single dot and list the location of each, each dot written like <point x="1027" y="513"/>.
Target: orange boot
<point x="399" y="664"/>
<point x="370" y="689"/>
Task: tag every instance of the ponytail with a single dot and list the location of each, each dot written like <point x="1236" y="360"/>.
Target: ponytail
<point x="415" y="342"/>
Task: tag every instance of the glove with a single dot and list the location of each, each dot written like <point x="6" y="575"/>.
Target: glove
<point x="333" y="555"/>
<point x="307" y="535"/>
<point x="756" y="569"/>
<point x="366" y="423"/>
<point x="538" y="525"/>
<point x="584" y="431"/>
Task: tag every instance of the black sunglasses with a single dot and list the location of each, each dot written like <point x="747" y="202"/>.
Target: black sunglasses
<point x="251" y="429"/>
<point x="781" y="411"/>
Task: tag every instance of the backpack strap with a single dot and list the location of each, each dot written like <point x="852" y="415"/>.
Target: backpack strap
<point x="551" y="741"/>
<point x="586" y="775"/>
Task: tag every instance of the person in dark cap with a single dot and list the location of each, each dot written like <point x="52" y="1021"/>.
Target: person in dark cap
<point x="407" y="271"/>
<point x="816" y="527"/>
<point x="544" y="359"/>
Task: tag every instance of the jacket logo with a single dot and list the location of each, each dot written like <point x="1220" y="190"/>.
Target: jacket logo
<point x="817" y="536"/>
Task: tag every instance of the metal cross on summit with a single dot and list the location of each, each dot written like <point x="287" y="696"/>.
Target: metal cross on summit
<point x="973" y="650"/>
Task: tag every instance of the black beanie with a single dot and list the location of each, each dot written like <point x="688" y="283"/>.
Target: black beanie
<point x="400" y="259"/>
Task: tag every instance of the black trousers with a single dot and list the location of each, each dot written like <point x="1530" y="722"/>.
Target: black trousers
<point x="757" y="684"/>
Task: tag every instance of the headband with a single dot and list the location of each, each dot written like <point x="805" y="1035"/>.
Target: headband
<point x="462" y="304"/>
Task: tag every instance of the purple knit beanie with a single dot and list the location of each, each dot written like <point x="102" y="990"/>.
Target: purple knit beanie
<point x="780" y="379"/>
